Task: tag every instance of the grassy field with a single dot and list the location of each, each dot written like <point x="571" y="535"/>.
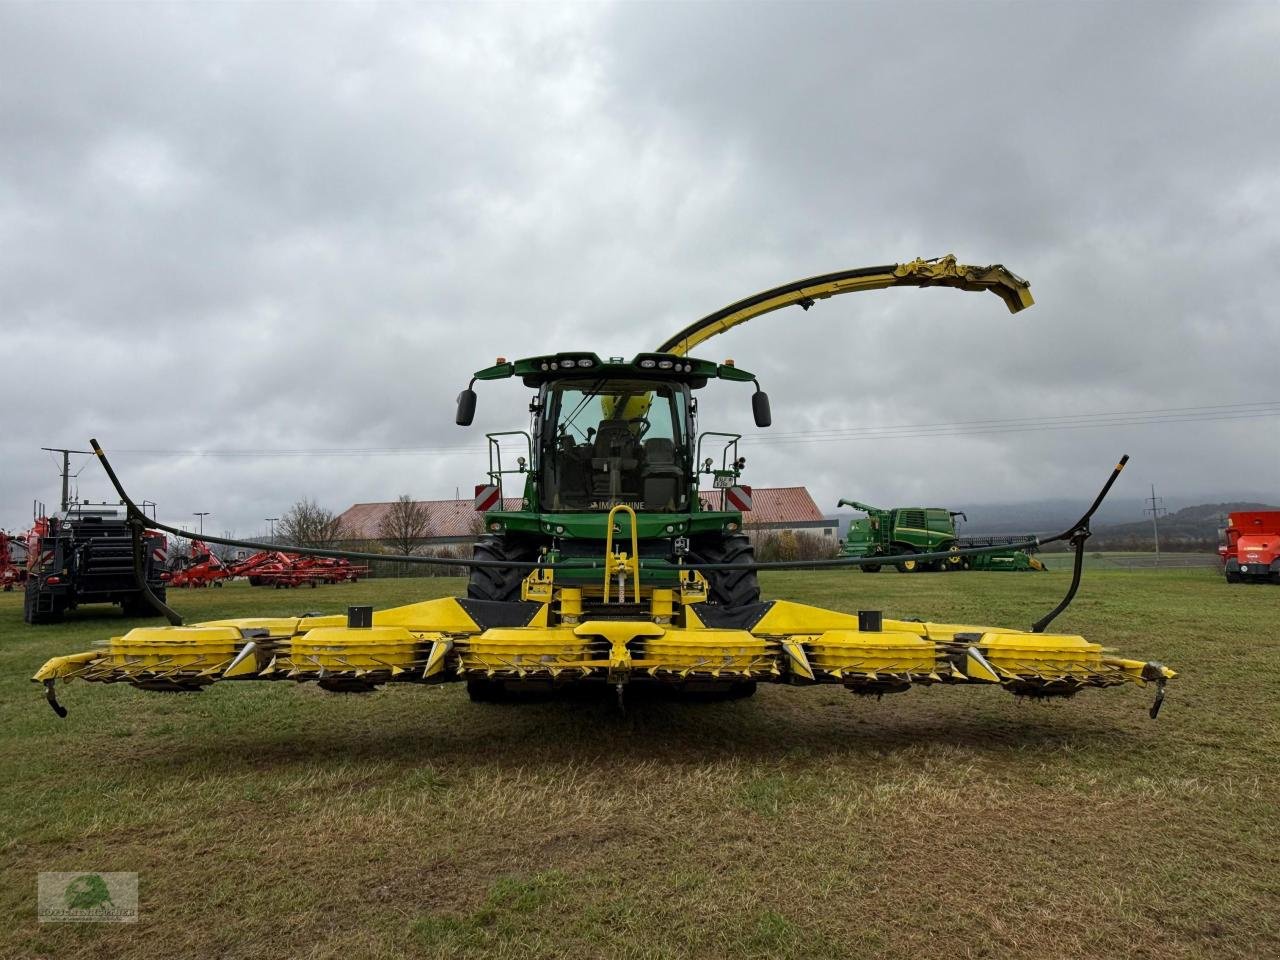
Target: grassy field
<point x="272" y="820"/>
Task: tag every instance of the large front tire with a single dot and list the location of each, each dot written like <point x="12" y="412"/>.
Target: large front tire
<point x="908" y="565"/>
<point x="729" y="588"/>
<point x="499" y="583"/>
<point x="952" y="563"/>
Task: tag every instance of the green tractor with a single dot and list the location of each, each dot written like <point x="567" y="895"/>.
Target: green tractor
<point x="907" y="530"/>
<point x="613" y="453"/>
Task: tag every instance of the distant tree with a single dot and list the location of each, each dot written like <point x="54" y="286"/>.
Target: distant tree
<point x="307" y="524"/>
<point x="404" y="525"/>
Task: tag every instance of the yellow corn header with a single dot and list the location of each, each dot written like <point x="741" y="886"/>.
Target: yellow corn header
<point x="677" y="638"/>
<point x="618" y="631"/>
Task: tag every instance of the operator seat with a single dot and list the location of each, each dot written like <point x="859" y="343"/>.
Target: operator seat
<point x="662" y="474"/>
<point x="615" y="461"/>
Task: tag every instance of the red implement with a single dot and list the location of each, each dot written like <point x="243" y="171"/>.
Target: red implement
<point x="202" y="569"/>
<point x="1252" y="547"/>
<point x="277" y="569"/>
<point x="13" y="561"/>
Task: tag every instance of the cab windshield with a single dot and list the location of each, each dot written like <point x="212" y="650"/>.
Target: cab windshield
<point x="606" y="442"/>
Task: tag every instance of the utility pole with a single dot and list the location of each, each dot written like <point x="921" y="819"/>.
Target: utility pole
<point x="66" y="470"/>
<point x="201" y="514"/>
<point x="1156" y="510"/>
<point x="272" y="521"/>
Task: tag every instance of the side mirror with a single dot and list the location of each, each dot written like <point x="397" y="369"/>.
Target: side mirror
<point x="466" y="408"/>
<point x="760" y="409"/>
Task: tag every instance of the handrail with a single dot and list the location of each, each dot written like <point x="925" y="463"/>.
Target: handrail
<point x="621" y="567"/>
<point x="495" y="454"/>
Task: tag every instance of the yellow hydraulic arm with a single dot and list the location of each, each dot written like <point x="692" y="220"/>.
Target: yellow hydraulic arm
<point x="941" y="272"/>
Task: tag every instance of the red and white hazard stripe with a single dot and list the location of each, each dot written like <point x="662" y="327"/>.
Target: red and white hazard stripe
<point x="738" y="498"/>
<point x="487" y="496"/>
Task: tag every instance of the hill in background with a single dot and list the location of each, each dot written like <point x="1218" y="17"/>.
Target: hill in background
<point x="1191" y="528"/>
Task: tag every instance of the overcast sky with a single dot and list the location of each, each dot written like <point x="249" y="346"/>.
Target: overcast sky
<point x="300" y="228"/>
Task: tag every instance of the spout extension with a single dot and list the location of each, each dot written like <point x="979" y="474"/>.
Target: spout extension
<point x="933" y="272"/>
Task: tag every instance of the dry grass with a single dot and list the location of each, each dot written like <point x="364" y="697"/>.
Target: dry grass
<point x="268" y="820"/>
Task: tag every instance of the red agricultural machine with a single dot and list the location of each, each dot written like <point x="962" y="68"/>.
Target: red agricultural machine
<point x="201" y="569"/>
<point x="1251" y="547"/>
<point x="272" y="568"/>
<point x="13" y="561"/>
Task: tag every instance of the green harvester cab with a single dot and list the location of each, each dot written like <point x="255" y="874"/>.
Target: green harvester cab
<point x="609" y="433"/>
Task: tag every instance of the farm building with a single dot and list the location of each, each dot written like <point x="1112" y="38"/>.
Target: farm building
<point x="447" y="521"/>
<point x="781" y="509"/>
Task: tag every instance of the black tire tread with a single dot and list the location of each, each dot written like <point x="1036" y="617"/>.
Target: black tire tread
<point x="729" y="588"/>
<point x="495" y="583"/>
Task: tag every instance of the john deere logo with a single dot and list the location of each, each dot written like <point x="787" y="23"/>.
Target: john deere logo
<point x="88" y="897"/>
